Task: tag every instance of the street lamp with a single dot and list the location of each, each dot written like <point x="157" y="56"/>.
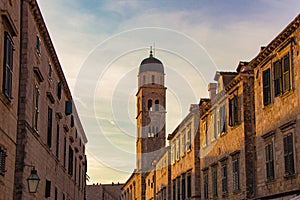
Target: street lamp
<point x="33" y="181"/>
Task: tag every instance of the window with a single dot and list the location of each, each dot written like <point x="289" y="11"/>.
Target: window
<point x="173" y="153"/>
<point x="174" y="189"/>
<point x="36" y="108"/>
<point x="7" y="66"/>
<point x="59" y="87"/>
<point x="189" y="185"/>
<point x="68" y="108"/>
<point x="205" y="185"/>
<point x="188" y="145"/>
<point x="204" y="128"/>
<point x="277" y="78"/>
<point x="216" y="122"/>
<point x="182" y="143"/>
<point x="286" y="73"/>
<point x="153" y="79"/>
<point x="49" y="130"/>
<point x="2" y="161"/>
<point x="57" y="140"/>
<point x="144" y="79"/>
<point x="164" y="193"/>
<point x="55" y="193"/>
<point x="177" y="148"/>
<point x="233" y="111"/>
<point x="65" y="151"/>
<point x="178" y="188"/>
<point x="72" y="121"/>
<point x="50" y="72"/>
<point x="156" y="105"/>
<point x="150" y="105"/>
<point x="282" y="75"/>
<point x="183" y="187"/>
<point x="269" y="161"/>
<point x="48" y="189"/>
<point x="70" y="168"/>
<point x="266" y="87"/>
<point x="214" y="178"/>
<point x="235" y="173"/>
<point x="289" y="154"/>
<point x="38" y="45"/>
<point x="224" y="178"/>
<point x="222" y="120"/>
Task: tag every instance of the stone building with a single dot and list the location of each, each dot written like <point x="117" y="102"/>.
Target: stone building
<point x="103" y="191"/>
<point x="185" y="165"/>
<point x="151" y="114"/>
<point x="163" y="175"/>
<point x="227" y="137"/>
<point x="40" y="128"/>
<point x="277" y="109"/>
<point x="9" y="89"/>
<point x="50" y="136"/>
<point x="158" y="179"/>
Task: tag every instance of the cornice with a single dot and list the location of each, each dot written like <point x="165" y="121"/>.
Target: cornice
<point x="276" y="42"/>
<point x="43" y="31"/>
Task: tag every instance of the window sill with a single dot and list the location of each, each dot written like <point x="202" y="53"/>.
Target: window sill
<point x="290" y="176"/>
<point x="225" y="194"/>
<point x="236" y="191"/>
<point x="270" y="181"/>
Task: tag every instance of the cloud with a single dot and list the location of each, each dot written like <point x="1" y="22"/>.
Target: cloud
<point x="206" y="35"/>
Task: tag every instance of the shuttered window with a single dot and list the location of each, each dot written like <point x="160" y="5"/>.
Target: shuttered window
<point x="269" y="161"/>
<point x="289" y="154"/>
<point x="49" y="129"/>
<point x="236" y="173"/>
<point x="286" y="73"/>
<point x="7" y="66"/>
<point x="266" y="87"/>
<point x="48" y="189"/>
<point x="234" y="111"/>
<point x="2" y="161"/>
<point x="224" y="178"/>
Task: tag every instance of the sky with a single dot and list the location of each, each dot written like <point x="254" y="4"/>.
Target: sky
<point x="101" y="43"/>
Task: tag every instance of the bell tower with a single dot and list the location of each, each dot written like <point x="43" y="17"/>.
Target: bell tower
<point x="151" y="112"/>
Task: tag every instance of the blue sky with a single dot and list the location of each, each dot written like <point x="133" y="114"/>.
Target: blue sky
<point x="101" y="43"/>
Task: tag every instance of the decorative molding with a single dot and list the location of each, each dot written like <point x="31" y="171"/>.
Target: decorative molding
<point x="268" y="134"/>
<point x="277" y="42"/>
<point x="9" y="22"/>
<point x="290" y="124"/>
<point x="50" y="97"/>
<point x="38" y="74"/>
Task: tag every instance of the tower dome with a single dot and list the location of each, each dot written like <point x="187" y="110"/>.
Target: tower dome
<point x="151" y="64"/>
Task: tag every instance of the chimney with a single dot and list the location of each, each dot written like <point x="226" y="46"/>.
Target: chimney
<point x="212" y="90"/>
<point x="194" y="107"/>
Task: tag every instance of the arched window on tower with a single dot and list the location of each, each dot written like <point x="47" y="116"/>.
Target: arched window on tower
<point x="144" y="80"/>
<point x="153" y="79"/>
<point x="150" y="105"/>
<point x="156" y="105"/>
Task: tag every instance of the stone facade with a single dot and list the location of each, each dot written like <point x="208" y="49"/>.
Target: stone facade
<point x="103" y="191"/>
<point x="227" y="137"/>
<point x="185" y="168"/>
<point x="246" y="141"/>
<point x="277" y="109"/>
<point x="9" y="89"/>
<point x="41" y="129"/>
